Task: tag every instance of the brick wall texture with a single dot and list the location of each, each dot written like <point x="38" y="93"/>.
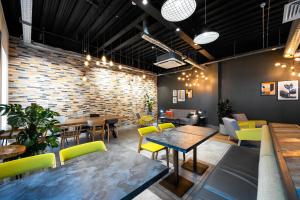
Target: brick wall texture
<point x="53" y="79"/>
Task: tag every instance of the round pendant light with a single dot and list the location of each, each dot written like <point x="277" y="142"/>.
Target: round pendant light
<point x="178" y="10"/>
<point x="206" y="37"/>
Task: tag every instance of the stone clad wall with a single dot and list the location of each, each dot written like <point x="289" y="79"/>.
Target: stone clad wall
<point x="53" y="79"/>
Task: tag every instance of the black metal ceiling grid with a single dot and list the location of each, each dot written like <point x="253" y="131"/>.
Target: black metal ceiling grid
<point x="116" y="26"/>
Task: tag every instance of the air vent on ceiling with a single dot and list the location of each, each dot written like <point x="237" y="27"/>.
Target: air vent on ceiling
<point x="169" y="60"/>
<point x="291" y="11"/>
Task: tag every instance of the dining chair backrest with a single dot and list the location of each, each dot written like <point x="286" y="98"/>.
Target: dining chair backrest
<point x="28" y="164"/>
<point x="96" y="122"/>
<point x="231" y="126"/>
<point x="111" y="122"/>
<point x="138" y="116"/>
<point x="147" y="130"/>
<point x="240" y="117"/>
<point x="79" y="150"/>
<point x="165" y="126"/>
<point x="94" y="115"/>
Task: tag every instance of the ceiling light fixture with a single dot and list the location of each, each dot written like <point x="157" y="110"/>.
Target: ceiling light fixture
<point x="133" y="3"/>
<point x="177" y="29"/>
<point x="145" y="2"/>
<point x="206" y="36"/>
<point x="178" y="10"/>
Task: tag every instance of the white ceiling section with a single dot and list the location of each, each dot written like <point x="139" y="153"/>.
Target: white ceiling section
<point x="26" y="13"/>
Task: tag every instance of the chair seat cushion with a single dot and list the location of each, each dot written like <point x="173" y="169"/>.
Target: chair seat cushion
<point x="152" y="147"/>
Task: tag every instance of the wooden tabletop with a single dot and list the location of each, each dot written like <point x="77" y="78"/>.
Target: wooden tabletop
<point x="111" y="175"/>
<point x="84" y="120"/>
<point x="11" y="151"/>
<point x="182" y="141"/>
<point x="286" y="141"/>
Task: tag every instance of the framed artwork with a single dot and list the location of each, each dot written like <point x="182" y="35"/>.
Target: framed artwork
<point x="288" y="90"/>
<point x="174" y="100"/>
<point x="181" y="96"/>
<point x="174" y="93"/>
<point x="189" y="93"/>
<point x="267" y="88"/>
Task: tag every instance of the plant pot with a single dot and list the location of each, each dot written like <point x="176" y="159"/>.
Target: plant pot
<point x="222" y="129"/>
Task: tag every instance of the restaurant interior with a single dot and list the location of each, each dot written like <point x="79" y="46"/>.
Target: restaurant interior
<point x="150" y="100"/>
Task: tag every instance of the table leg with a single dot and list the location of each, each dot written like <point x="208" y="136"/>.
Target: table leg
<point x="193" y="165"/>
<point x="174" y="182"/>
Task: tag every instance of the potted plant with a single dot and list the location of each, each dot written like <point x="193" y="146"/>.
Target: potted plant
<point x="149" y="104"/>
<point x="34" y="122"/>
<point x="224" y="110"/>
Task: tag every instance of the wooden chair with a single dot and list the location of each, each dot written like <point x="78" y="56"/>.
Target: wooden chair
<point x="111" y="127"/>
<point x="96" y="127"/>
<point x="72" y="131"/>
<point x="8" y="135"/>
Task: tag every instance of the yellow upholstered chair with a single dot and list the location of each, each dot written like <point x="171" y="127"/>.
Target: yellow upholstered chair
<point x="28" y="164"/>
<point x="165" y="126"/>
<point x="150" y="146"/>
<point x="79" y="150"/>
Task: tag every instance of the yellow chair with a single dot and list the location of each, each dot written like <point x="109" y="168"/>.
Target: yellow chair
<point x="79" y="150"/>
<point x="165" y="126"/>
<point x="151" y="146"/>
<point x="28" y="164"/>
<point x="242" y="118"/>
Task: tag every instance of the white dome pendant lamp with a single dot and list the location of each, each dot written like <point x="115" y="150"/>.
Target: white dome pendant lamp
<point x="206" y="36"/>
<point x="178" y="10"/>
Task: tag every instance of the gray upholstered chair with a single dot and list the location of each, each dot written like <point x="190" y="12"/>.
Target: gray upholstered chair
<point x="233" y="130"/>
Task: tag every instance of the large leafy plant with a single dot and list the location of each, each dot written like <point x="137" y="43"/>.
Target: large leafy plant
<point x="224" y="110"/>
<point x="149" y="103"/>
<point x="37" y="126"/>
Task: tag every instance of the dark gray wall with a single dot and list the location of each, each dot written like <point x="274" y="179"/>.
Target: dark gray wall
<point x="240" y="83"/>
<point x="205" y="96"/>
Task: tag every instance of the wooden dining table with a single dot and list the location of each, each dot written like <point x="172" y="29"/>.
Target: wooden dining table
<point x="84" y="120"/>
<point x="11" y="151"/>
<point x="113" y="175"/>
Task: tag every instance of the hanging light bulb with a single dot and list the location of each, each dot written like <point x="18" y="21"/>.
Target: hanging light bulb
<point x="120" y="67"/>
<point x="86" y="63"/>
<point x="293" y="73"/>
<point x="183" y="73"/>
<point x="139" y="78"/>
<point x="190" y="85"/>
<point x="186" y="84"/>
<point x="179" y="78"/>
<point x="84" y="78"/>
<point x="183" y="79"/>
<point x="144" y="76"/>
<point x="103" y="58"/>
<point x="283" y="66"/>
<point x="196" y="71"/>
<point x="277" y="64"/>
<point x="206" y="78"/>
<point x="292" y="67"/>
<point x="111" y="63"/>
<point x="202" y="73"/>
<point x="145" y="2"/>
<point x="297" y="59"/>
<point x="88" y="57"/>
<point x="298" y="74"/>
<point x="97" y="63"/>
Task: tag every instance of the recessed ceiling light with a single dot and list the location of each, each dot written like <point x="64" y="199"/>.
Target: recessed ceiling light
<point x="145" y="2"/>
<point x="178" y="10"/>
<point x="206" y="37"/>
<point x="133" y="3"/>
<point x="177" y="29"/>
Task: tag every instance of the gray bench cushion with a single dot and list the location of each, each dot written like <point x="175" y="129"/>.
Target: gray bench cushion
<point x="235" y="177"/>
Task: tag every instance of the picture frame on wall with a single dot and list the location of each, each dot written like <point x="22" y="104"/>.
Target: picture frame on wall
<point x="181" y="96"/>
<point x="174" y="100"/>
<point x="174" y="93"/>
<point x="288" y="90"/>
<point x="268" y="88"/>
<point x="189" y="93"/>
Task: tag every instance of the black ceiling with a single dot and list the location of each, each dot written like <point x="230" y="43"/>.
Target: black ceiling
<point x="115" y="26"/>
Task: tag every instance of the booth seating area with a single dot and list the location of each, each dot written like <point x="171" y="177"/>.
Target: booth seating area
<point x="246" y="171"/>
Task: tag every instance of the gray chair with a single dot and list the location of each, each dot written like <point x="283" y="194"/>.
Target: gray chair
<point x="231" y="126"/>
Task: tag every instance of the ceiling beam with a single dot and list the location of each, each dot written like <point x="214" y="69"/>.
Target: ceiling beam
<point x="26" y="14"/>
<point x="170" y="25"/>
<point x="124" y="30"/>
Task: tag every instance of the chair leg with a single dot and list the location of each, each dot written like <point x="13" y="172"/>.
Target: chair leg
<point x="117" y="132"/>
<point x="152" y="157"/>
<point x="156" y="155"/>
<point x="167" y="155"/>
<point x="183" y="156"/>
<point x="108" y="133"/>
<point x="62" y="143"/>
<point x="239" y="143"/>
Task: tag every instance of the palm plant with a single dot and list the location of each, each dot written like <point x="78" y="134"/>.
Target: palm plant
<point x="37" y="126"/>
<point x="149" y="103"/>
<point x="224" y="110"/>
